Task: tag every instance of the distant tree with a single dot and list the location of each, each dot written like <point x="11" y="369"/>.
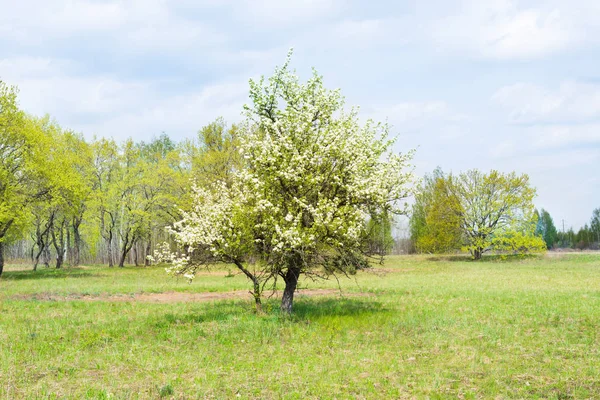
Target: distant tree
<point x="379" y="239"/>
<point x="311" y="176"/>
<point x="567" y="239"/>
<point x="423" y="200"/>
<point x="441" y="230"/>
<point x="79" y="154"/>
<point x="583" y="238"/>
<point x="546" y="229"/>
<point x="105" y="201"/>
<point x="157" y="149"/>
<point x="23" y="172"/>
<point x="217" y="155"/>
<point x="595" y="225"/>
<point x="163" y="187"/>
<point x="434" y="225"/>
<point x="496" y="212"/>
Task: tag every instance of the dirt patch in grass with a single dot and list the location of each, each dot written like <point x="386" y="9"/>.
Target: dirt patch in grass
<point x="570" y="252"/>
<point x="384" y="271"/>
<point x="178" y="297"/>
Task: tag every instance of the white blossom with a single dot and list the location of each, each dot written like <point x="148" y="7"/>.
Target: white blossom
<point x="312" y="175"/>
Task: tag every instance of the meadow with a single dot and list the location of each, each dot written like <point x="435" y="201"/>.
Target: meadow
<point x="416" y="327"/>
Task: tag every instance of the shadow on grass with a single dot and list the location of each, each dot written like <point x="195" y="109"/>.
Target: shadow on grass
<point x="308" y="308"/>
<point x="508" y="258"/>
<point x="305" y="309"/>
<point x="47" y="273"/>
<point x="217" y="311"/>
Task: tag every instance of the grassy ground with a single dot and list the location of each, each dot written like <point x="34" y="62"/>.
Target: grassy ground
<point x="429" y="328"/>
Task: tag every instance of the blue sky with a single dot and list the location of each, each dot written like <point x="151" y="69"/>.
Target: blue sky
<point x="509" y="85"/>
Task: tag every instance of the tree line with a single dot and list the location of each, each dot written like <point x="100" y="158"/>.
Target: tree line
<point x="300" y="187"/>
<point x="481" y="212"/>
<point x="587" y="237"/>
<point x="65" y="199"/>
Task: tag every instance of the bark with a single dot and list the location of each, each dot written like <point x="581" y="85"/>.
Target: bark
<point x="291" y="282"/>
<point x="76" y="241"/>
<point x="256" y="294"/>
<point x="126" y="248"/>
<point x="68" y="247"/>
<point x="41" y="248"/>
<point x="477" y="253"/>
<point x="148" y="249"/>
<point x="58" y="240"/>
<point x="42" y="240"/>
<point x="32" y="255"/>
<point x="1" y="256"/>
<point x="46" y="255"/>
<point x="107" y="234"/>
<point x="123" y="256"/>
<point x="3" y="231"/>
<point x="109" y="249"/>
<point x="256" y="284"/>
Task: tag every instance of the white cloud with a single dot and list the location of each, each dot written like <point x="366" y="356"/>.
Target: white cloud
<point x="367" y="32"/>
<point x="505" y="29"/>
<point x="416" y="113"/>
<point x="563" y="135"/>
<point x="277" y="13"/>
<point x="147" y="24"/>
<point x="111" y="106"/>
<point x="54" y="86"/>
<point x="572" y="101"/>
<point x="179" y="116"/>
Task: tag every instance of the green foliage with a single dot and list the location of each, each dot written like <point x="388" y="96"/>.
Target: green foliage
<point x="437" y="217"/>
<point x="379" y="239"/>
<point x="311" y="175"/>
<point x="216" y="156"/>
<point x="595" y="227"/>
<point x="496" y="212"/>
<point x="423" y="200"/>
<point x="25" y="167"/>
<point x="584" y="238"/>
<point x="546" y="229"/>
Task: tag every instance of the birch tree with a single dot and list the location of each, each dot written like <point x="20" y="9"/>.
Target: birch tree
<point x="22" y="174"/>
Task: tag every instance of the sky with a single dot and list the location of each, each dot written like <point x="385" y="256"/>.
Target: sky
<point x="494" y="84"/>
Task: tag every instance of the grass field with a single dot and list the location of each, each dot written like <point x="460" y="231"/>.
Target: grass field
<point x="418" y="328"/>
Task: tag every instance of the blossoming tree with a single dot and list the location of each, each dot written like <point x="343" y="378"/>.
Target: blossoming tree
<point x="311" y="176"/>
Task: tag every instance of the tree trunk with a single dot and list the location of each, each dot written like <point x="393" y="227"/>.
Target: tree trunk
<point x="68" y="247"/>
<point x="477" y="253"/>
<point x="256" y="283"/>
<point x="109" y="249"/>
<point x="1" y="256"/>
<point x="76" y="242"/>
<point x="58" y="240"/>
<point x="122" y="260"/>
<point x="3" y="232"/>
<point x="47" y="256"/>
<point x="148" y="249"/>
<point x="291" y="282"/>
<point x="256" y="294"/>
<point x="127" y="245"/>
<point x="42" y="239"/>
<point x="38" y="255"/>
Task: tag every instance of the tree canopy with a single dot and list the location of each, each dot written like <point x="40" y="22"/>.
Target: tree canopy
<point x="310" y="177"/>
<point x="496" y="211"/>
<point x="546" y="229"/>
